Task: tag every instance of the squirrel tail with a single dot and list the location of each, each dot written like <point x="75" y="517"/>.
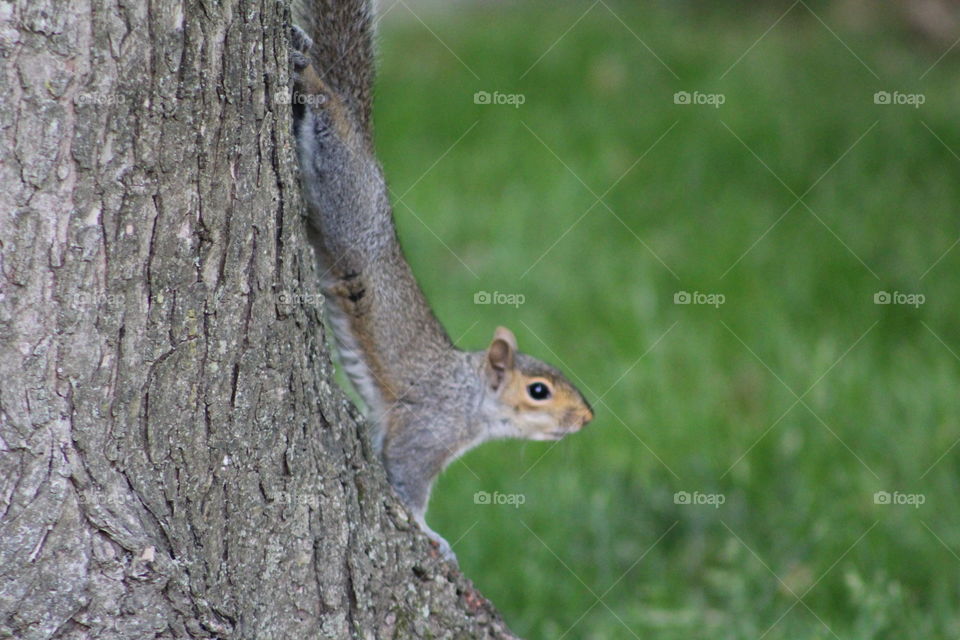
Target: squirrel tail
<point x="343" y="53"/>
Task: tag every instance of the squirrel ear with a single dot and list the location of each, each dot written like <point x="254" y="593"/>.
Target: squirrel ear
<point x="500" y="356"/>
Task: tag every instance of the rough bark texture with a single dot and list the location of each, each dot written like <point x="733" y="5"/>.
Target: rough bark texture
<point x="175" y="460"/>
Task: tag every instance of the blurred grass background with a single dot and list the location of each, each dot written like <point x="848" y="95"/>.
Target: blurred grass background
<point x="692" y="397"/>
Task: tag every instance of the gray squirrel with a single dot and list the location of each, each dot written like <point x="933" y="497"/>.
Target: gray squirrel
<point x="428" y="401"/>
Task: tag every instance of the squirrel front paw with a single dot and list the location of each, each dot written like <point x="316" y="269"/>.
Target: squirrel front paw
<point x="299" y="39"/>
<point x="300" y="45"/>
<point x="309" y="91"/>
<point x="442" y="545"/>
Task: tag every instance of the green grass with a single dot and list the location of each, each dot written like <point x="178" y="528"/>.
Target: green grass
<point x="682" y="404"/>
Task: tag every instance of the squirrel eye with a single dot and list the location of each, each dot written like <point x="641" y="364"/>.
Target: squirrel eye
<point x="538" y="391"/>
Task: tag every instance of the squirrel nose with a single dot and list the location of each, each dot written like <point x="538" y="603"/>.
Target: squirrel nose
<point x="585" y="416"/>
<point x="576" y="418"/>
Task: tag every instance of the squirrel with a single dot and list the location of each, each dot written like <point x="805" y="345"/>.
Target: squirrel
<point x="428" y="401"/>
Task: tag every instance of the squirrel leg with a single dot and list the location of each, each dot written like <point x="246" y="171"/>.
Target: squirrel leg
<point x="406" y="475"/>
<point x="300" y="44"/>
<point x="442" y="545"/>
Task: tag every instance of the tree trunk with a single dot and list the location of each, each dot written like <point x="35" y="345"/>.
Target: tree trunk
<point x="175" y="460"/>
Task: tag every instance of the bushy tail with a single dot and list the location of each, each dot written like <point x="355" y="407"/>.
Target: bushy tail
<point x="342" y="33"/>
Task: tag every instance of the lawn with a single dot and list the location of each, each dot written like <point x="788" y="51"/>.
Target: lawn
<point x="782" y="200"/>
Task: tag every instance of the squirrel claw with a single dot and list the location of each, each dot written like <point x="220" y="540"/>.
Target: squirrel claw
<point x="299" y="39"/>
<point x="444" y="548"/>
<point x="437" y="540"/>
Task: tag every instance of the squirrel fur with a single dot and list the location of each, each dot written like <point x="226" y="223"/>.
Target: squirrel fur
<point x="428" y="401"/>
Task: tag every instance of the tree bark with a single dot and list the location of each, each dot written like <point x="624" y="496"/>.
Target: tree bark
<point x="175" y="460"/>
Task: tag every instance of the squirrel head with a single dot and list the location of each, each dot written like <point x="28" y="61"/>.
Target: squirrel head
<point x="532" y="400"/>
